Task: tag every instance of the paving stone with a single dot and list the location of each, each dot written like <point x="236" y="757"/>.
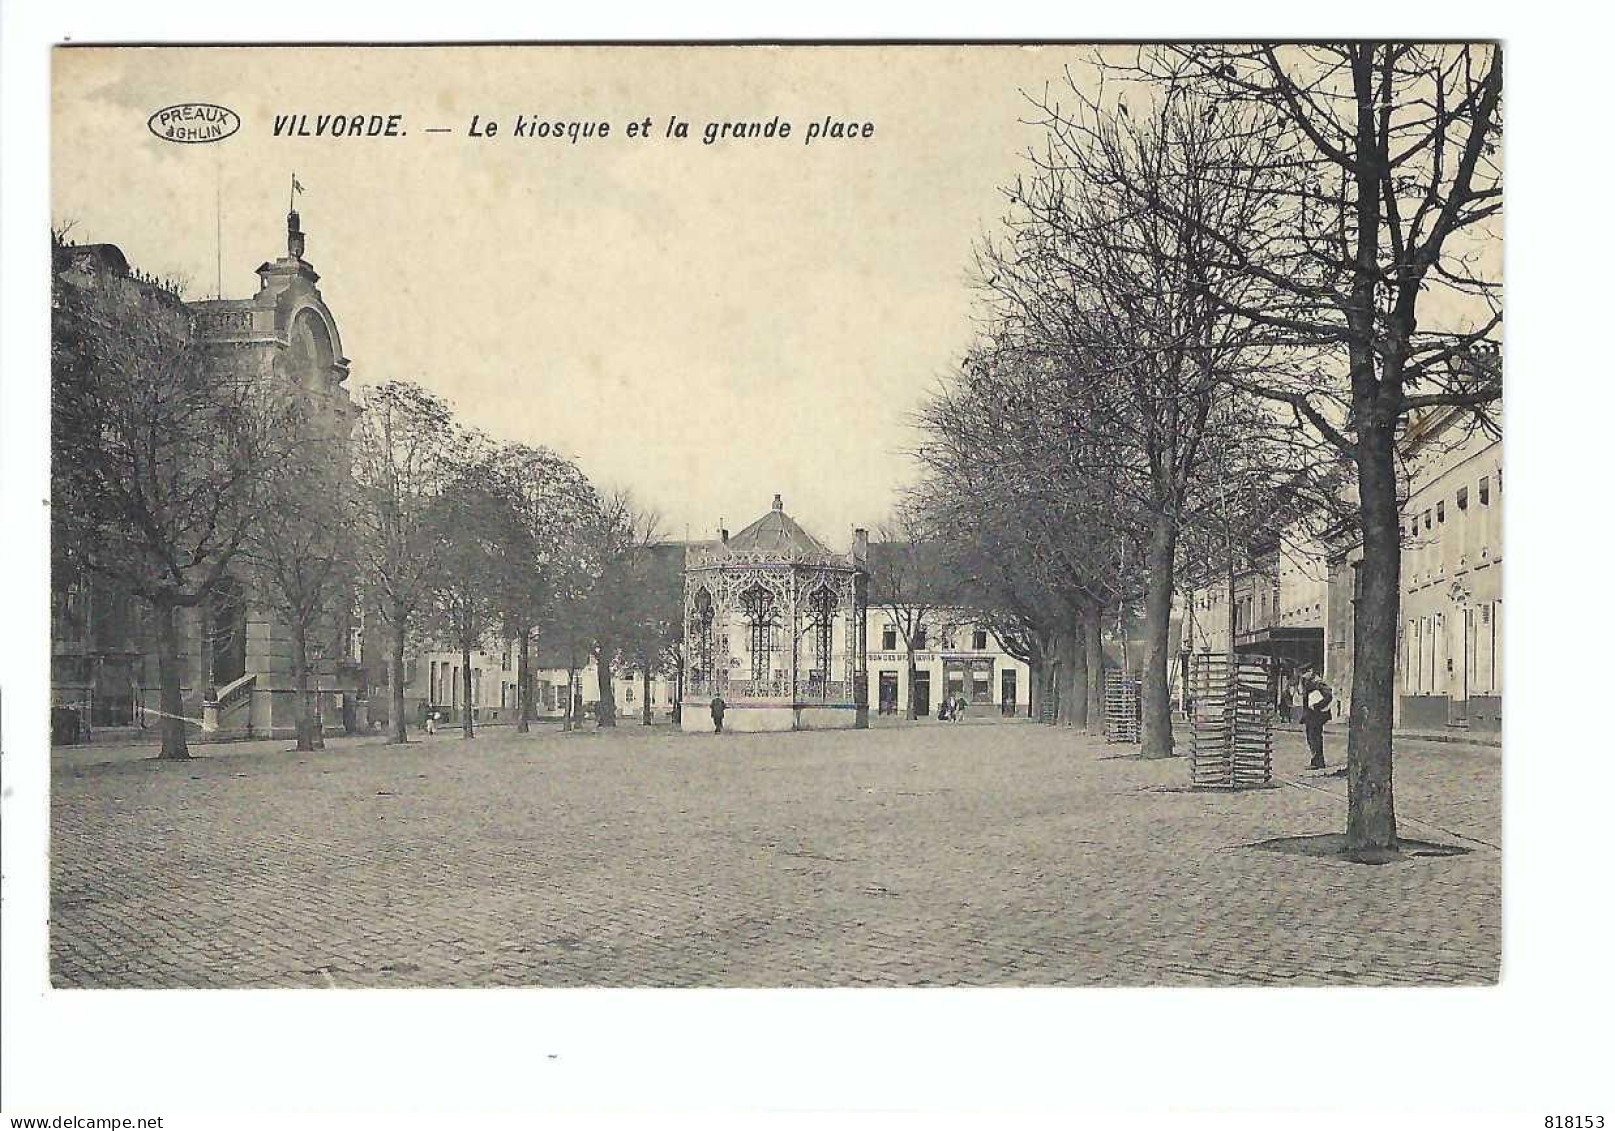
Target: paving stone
<point x="980" y="854"/>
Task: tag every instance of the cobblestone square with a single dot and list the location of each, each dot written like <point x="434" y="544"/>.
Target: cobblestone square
<point x="923" y="854"/>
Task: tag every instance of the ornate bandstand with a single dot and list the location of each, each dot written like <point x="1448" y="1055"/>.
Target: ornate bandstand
<point x="774" y="625"/>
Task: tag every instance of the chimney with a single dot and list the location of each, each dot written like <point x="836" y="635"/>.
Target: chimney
<point x="779" y="504"/>
<point x="294" y="235"/>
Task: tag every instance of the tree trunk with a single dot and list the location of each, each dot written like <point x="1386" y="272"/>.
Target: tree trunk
<point x="678" y="693"/>
<point x="1051" y="681"/>
<point x="1155" y="741"/>
<point x="606" y="711"/>
<point x="644" y="707"/>
<point x="1093" y="645"/>
<point x="524" y="685"/>
<point x="400" y="733"/>
<point x="1073" y="709"/>
<point x="304" y="693"/>
<point x="168" y="675"/>
<point x="467" y="726"/>
<point x="1370" y="802"/>
<point x="913" y="670"/>
<point x="1034" y="694"/>
<point x="572" y="719"/>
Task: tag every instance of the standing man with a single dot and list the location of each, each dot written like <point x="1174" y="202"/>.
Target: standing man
<point x="718" y="708"/>
<point x="1316" y="701"/>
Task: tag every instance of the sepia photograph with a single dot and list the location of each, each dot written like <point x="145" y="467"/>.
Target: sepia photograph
<point x="817" y="515"/>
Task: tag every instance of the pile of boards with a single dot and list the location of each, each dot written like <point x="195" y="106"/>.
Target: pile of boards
<point x="1232" y="724"/>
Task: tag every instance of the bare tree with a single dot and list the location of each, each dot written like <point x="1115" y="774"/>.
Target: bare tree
<point x="614" y="543"/>
<point x="477" y="524"/>
<point x="1377" y="259"/>
<point x="158" y="453"/>
<point x="1041" y="516"/>
<point x="656" y="635"/>
<point x="1118" y="295"/>
<point x="302" y="550"/>
<point x="405" y="450"/>
<point x="551" y="502"/>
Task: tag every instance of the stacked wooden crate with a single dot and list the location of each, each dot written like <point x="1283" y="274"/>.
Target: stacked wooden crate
<point x="1121" y="707"/>
<point x="1232" y="724"/>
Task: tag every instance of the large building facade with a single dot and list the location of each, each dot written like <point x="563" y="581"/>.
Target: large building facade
<point x="235" y="652"/>
<point x="1449" y="647"/>
<point x="1295" y="600"/>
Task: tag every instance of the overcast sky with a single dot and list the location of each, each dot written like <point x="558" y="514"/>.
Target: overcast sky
<point x="706" y="325"/>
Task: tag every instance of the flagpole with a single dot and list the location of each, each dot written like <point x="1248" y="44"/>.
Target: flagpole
<point x="291" y="194"/>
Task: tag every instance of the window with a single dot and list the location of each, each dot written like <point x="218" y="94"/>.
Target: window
<point x="822" y="609"/>
<point x="1441" y="510"/>
<point x="888" y="639"/>
<point x="1485" y="491"/>
<point x="1463" y="498"/>
<point x="920" y="639"/>
<point x="628" y="696"/>
<point x="504" y="660"/>
<point x="761" y="621"/>
<point x="978" y="641"/>
<point x="1427" y="520"/>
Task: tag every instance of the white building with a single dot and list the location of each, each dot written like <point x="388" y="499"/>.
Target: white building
<point x="957" y="656"/>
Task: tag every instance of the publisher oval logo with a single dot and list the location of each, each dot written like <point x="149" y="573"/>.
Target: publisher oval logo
<point x="194" y="123"/>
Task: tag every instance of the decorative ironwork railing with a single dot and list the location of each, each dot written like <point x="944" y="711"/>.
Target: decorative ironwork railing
<point x="823" y="690"/>
<point x="705" y="687"/>
<point x="805" y="690"/>
<point x="777" y="688"/>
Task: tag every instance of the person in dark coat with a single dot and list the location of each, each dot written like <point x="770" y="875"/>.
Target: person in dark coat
<point x="718" y="708"/>
<point x="1317" y="702"/>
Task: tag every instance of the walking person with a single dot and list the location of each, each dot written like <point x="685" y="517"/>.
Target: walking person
<point x="718" y="708"/>
<point x="1316" y="703"/>
<point x="959" y="708"/>
<point x="431" y="722"/>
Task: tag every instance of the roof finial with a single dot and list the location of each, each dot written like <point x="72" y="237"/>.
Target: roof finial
<point x="779" y="504"/>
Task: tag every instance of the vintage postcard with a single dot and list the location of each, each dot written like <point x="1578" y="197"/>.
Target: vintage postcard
<point x="776" y="516"/>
